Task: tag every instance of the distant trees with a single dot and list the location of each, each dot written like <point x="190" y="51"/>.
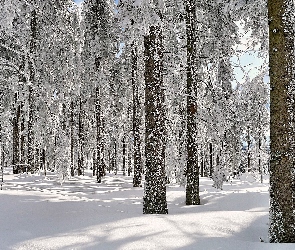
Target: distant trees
<point x="74" y="81"/>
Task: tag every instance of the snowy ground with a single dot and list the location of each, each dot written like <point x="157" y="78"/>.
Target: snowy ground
<point x="37" y="212"/>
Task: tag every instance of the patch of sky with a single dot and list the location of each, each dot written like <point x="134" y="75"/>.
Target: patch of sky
<point x="248" y="60"/>
<point x="247" y="65"/>
<point x="79" y="1"/>
<point x="121" y="47"/>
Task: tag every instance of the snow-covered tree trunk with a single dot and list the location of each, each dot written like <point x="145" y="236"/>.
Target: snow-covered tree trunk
<point x="124" y="154"/>
<point x="15" y="135"/>
<point x="72" y="137"/>
<point x="98" y="135"/>
<point x="155" y="133"/>
<point x="192" y="168"/>
<point x="136" y="119"/>
<point x="281" y="65"/>
<point x="32" y="82"/>
<point x="81" y="137"/>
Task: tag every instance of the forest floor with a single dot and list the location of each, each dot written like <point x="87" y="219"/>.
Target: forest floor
<point x="38" y="212"/>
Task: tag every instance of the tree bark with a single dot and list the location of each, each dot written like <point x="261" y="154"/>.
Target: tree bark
<point x="98" y="136"/>
<point x="81" y="139"/>
<point x="33" y="26"/>
<point x="154" y="201"/>
<point x="211" y="169"/>
<point x="15" y="142"/>
<point x="124" y="155"/>
<point x="248" y="150"/>
<point x="192" y="169"/>
<point x="72" y="138"/>
<point x="136" y="119"/>
<point x="281" y="64"/>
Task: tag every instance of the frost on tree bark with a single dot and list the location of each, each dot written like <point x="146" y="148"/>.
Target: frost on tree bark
<point x="72" y="138"/>
<point x="136" y="120"/>
<point x="124" y="154"/>
<point x="154" y="201"/>
<point x="99" y="172"/>
<point x="192" y="169"/>
<point x="33" y="38"/>
<point x="22" y="135"/>
<point x="16" y="136"/>
<point x="281" y="64"/>
<point x="81" y="139"/>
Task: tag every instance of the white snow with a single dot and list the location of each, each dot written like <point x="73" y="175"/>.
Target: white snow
<point x="36" y="212"/>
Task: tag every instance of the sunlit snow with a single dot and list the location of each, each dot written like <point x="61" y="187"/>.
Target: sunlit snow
<point x="37" y="212"/>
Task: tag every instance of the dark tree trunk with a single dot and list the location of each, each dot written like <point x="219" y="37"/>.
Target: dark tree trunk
<point x="72" y="139"/>
<point x="259" y="160"/>
<point x="248" y="150"/>
<point x="129" y="161"/>
<point x="154" y="201"/>
<point x="211" y="169"/>
<point x="136" y="119"/>
<point x="110" y="160"/>
<point x="281" y="64"/>
<point x="94" y="162"/>
<point x="124" y="155"/>
<point x="81" y="140"/>
<point x="15" y="144"/>
<point x="192" y="169"/>
<point x="44" y="161"/>
<point x="202" y="164"/>
<point x="115" y="167"/>
<point x="30" y="130"/>
<point x="22" y="137"/>
<point x="33" y="26"/>
<point x="99" y="172"/>
<point x="103" y="163"/>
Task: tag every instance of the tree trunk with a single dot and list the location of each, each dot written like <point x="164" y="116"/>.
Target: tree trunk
<point x="44" y="161"/>
<point x="33" y="26"/>
<point x="129" y="160"/>
<point x="124" y="155"/>
<point x="22" y="137"/>
<point x="98" y="136"/>
<point x="211" y="169"/>
<point x="202" y="164"/>
<point x="154" y="201"/>
<point x="136" y="119"/>
<point x="72" y="139"/>
<point x="259" y="160"/>
<point x="192" y="169"/>
<point x="94" y="162"/>
<point x="81" y="140"/>
<point x="248" y="150"/>
<point x="15" y="144"/>
<point x="281" y="64"/>
<point x="115" y="167"/>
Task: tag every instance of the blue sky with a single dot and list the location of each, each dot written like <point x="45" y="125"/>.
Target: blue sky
<point x="79" y="1"/>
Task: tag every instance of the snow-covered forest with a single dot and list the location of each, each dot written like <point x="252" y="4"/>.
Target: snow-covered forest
<point x="146" y="124"/>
